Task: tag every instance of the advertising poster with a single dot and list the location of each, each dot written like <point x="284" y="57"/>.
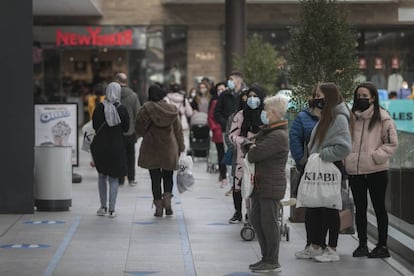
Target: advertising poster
<point x="56" y="125"/>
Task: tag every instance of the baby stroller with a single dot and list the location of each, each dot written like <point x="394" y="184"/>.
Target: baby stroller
<point x="247" y="232"/>
<point x="199" y="135"/>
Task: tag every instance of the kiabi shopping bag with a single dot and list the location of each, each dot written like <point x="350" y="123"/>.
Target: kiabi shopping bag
<point x="320" y="185"/>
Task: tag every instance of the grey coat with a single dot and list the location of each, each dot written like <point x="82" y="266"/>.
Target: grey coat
<point x="337" y="143"/>
<point x="270" y="155"/>
<point x="130" y="100"/>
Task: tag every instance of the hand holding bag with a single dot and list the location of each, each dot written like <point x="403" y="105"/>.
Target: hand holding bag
<point x="248" y="178"/>
<point x="320" y="185"/>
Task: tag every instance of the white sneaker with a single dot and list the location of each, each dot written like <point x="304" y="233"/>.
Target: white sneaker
<point x="329" y="255"/>
<point x="112" y="214"/>
<point x="308" y="253"/>
<point x="133" y="183"/>
<point x="288" y="202"/>
<point x="101" y="211"/>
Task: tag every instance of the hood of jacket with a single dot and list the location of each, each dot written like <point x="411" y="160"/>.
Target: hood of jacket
<point x="161" y="113"/>
<point x="342" y="109"/>
<point x="175" y="97"/>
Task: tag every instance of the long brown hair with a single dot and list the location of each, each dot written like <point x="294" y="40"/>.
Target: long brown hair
<point x="332" y="99"/>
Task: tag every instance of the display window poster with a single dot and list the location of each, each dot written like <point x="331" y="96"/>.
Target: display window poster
<point x="56" y="125"/>
<point x="401" y="112"/>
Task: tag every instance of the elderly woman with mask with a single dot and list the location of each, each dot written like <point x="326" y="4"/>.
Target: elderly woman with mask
<point x="110" y="120"/>
<point x="269" y="152"/>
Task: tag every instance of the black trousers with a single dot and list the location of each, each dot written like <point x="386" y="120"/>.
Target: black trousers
<point x="376" y="184"/>
<point x="322" y="220"/>
<point x="129" y="145"/>
<point x="167" y="179"/>
<point x="220" y="154"/>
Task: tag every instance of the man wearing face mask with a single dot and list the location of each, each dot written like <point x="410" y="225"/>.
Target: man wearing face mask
<point x="374" y="141"/>
<point x="404" y="92"/>
<point x="228" y="101"/>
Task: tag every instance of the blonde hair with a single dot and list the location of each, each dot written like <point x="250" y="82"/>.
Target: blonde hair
<point x="277" y="104"/>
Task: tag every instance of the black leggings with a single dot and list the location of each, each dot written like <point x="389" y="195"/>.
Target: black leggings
<point x="220" y="154"/>
<point x="376" y="184"/>
<point x="167" y="179"/>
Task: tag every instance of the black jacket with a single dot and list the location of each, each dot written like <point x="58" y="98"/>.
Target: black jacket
<point x="107" y="147"/>
<point x="226" y="105"/>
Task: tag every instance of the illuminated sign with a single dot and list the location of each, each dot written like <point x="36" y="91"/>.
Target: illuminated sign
<point x="94" y="38"/>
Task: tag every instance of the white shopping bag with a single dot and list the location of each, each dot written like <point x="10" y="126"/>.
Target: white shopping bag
<point x="248" y="178"/>
<point x="320" y="185"/>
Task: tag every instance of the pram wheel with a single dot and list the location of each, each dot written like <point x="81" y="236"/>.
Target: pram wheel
<point x="284" y="231"/>
<point x="247" y="233"/>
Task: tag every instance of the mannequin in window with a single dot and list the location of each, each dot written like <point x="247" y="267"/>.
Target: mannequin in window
<point x="378" y="79"/>
<point x="394" y="80"/>
<point x="361" y="77"/>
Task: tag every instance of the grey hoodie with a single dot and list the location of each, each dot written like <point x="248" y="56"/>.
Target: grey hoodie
<point x="130" y="100"/>
<point x="337" y="143"/>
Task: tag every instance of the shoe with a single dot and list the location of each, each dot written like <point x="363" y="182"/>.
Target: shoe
<point x="361" y="251"/>
<point x="229" y="192"/>
<point x="329" y="255"/>
<point x="101" y="211"/>
<point x="265" y="267"/>
<point x="112" y="214"/>
<point x="379" y="252"/>
<point x="223" y="183"/>
<point x="255" y="264"/>
<point x="309" y="252"/>
<point x="133" y="183"/>
<point x="288" y="202"/>
<point x="237" y="217"/>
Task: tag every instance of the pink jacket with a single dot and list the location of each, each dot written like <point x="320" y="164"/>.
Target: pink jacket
<point x="371" y="149"/>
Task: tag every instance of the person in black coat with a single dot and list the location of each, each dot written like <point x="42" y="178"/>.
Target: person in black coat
<point x="110" y="120"/>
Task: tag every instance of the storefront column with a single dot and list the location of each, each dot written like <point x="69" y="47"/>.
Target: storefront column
<point x="235" y="31"/>
<point x="16" y="139"/>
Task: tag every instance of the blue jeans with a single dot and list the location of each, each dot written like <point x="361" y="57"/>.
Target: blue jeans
<point x="113" y="190"/>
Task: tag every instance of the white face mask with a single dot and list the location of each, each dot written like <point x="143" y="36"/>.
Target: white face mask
<point x="203" y="90"/>
<point x="405" y="86"/>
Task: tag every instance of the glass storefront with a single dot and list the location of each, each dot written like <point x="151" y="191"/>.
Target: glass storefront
<point x="72" y="62"/>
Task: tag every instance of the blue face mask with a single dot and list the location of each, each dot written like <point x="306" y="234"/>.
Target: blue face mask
<point x="230" y="84"/>
<point x="263" y="117"/>
<point x="253" y="102"/>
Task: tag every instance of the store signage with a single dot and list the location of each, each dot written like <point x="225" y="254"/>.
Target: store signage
<point x="94" y="37"/>
<point x="402" y="113"/>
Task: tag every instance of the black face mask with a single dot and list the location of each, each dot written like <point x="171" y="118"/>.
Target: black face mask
<point x="362" y="104"/>
<point x="319" y="103"/>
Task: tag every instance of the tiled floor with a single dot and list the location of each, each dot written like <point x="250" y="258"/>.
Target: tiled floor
<point x="196" y="240"/>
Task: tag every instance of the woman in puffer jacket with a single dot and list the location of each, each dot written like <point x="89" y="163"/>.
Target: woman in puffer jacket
<point x="374" y="141"/>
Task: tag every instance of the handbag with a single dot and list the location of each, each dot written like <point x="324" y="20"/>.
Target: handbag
<point x="88" y="135"/>
<point x="247" y="184"/>
<point x="320" y="185"/>
<point x="346" y="215"/>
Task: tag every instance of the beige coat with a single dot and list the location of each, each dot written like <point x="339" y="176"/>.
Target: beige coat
<point x="371" y="149"/>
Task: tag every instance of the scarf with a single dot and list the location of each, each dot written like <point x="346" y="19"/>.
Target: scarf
<point x="113" y="95"/>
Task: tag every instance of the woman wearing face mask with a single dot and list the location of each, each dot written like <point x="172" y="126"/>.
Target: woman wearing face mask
<point x="330" y="138"/>
<point x="269" y="153"/>
<point x="202" y="98"/>
<point x="245" y="124"/>
<point x="374" y="142"/>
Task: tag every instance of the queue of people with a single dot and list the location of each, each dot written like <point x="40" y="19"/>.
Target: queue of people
<point x="359" y="141"/>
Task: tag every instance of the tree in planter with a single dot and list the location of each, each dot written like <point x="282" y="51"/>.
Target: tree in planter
<point x="321" y="49"/>
<point x="259" y="64"/>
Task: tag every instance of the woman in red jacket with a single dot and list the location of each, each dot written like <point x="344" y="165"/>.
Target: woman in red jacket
<point x="217" y="132"/>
